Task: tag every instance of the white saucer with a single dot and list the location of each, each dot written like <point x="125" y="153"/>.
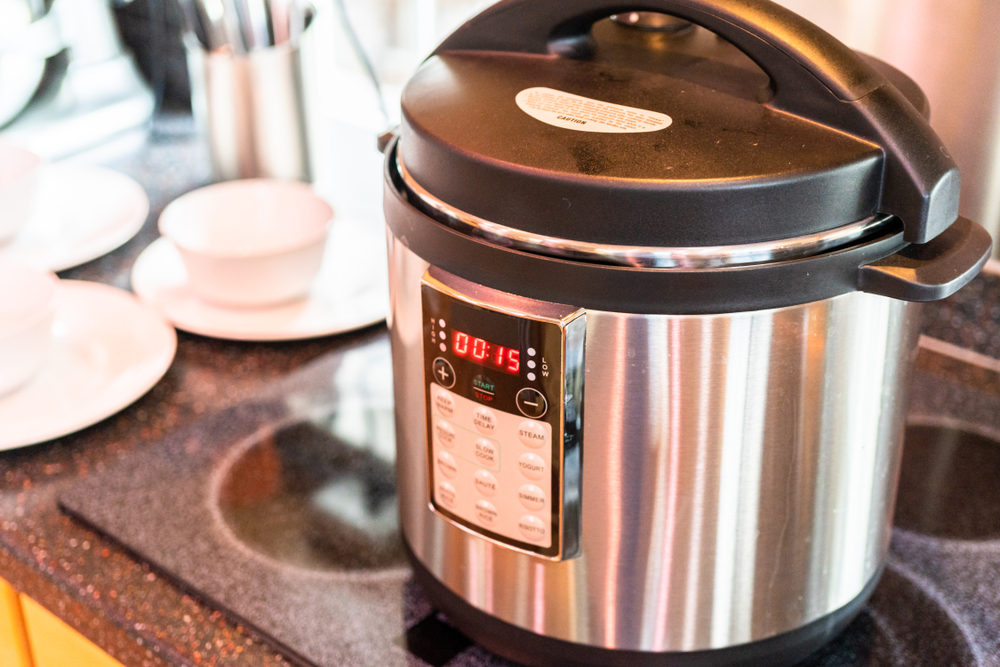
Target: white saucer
<point x="350" y="292"/>
<point x="81" y="213"/>
<point x="108" y="349"/>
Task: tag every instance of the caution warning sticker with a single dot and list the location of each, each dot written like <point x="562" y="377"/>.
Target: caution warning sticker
<point x="575" y="112"/>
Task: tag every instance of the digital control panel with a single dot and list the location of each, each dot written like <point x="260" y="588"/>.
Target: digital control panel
<point x="504" y="380"/>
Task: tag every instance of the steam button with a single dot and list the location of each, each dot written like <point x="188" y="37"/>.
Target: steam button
<point x="531" y="403"/>
<point x="532" y="434"/>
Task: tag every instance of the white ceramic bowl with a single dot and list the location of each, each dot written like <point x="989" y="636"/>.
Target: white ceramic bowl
<point x="18" y="170"/>
<point x="255" y="242"/>
<point x="26" y="311"/>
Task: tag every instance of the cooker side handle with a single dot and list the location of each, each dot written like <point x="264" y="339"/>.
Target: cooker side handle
<point x="933" y="270"/>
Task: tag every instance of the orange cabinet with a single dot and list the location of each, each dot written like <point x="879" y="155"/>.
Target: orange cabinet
<point x="13" y="640"/>
<point x="32" y="636"/>
<point x="55" y="644"/>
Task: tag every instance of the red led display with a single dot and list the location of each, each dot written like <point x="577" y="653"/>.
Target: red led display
<point x="482" y="351"/>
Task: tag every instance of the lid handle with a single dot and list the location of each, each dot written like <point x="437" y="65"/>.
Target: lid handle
<point x="812" y="74"/>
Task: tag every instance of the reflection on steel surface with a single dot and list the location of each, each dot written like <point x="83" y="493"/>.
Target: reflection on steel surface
<point x="738" y="473"/>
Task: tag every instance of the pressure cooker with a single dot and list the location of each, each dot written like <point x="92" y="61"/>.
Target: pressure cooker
<point x="654" y="303"/>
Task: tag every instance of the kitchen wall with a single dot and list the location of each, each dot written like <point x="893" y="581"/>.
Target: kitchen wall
<point x="951" y="49"/>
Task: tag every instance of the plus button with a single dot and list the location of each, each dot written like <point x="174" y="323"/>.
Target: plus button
<point x="444" y="373"/>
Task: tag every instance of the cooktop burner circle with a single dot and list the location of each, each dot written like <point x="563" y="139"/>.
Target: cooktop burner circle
<point x="312" y="494"/>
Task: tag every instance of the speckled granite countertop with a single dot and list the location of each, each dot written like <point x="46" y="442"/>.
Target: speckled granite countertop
<point x="141" y="616"/>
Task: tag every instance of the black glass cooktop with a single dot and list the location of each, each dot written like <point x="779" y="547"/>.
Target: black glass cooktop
<point x="281" y="511"/>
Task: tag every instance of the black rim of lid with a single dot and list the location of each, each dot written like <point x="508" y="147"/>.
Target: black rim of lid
<point x="659" y="257"/>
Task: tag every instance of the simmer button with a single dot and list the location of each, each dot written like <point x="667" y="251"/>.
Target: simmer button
<point x="531" y="497"/>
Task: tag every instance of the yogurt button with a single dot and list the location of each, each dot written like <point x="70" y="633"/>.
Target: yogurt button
<point x="447" y="464"/>
<point x="532" y="434"/>
<point x="532" y="528"/>
<point x="445" y="433"/>
<point x="531" y="497"/>
<point x="485" y="420"/>
<point x="531" y="465"/>
<point x="485" y="483"/>
<point x="486" y="452"/>
<point x="486" y="512"/>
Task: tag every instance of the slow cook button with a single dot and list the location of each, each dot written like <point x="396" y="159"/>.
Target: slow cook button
<point x="485" y="420"/>
<point x="446" y="494"/>
<point x="485" y="483"/>
<point x="445" y="433"/>
<point x="531" y="465"/>
<point x="486" y="452"/>
<point x="531" y="497"/>
<point x="447" y="465"/>
<point x="486" y="513"/>
<point x="532" y="434"/>
<point x="532" y="528"/>
<point x="443" y="401"/>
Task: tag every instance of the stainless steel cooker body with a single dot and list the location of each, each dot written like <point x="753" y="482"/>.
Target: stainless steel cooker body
<point x="652" y="315"/>
<point x="737" y="477"/>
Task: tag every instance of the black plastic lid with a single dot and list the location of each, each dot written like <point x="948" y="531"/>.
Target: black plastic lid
<point x="500" y="123"/>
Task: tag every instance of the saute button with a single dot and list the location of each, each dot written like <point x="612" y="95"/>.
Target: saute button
<point x="532" y="434"/>
<point x="485" y="483"/>
<point x="531" y="497"/>
<point x="485" y="420"/>
<point x="486" y="512"/>
<point x="531" y="403"/>
<point x="445" y="433"/>
<point x="486" y="452"/>
<point x="447" y="464"/>
<point x="444" y="401"/>
<point x="532" y="528"/>
<point x="531" y="465"/>
<point x="446" y="494"/>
